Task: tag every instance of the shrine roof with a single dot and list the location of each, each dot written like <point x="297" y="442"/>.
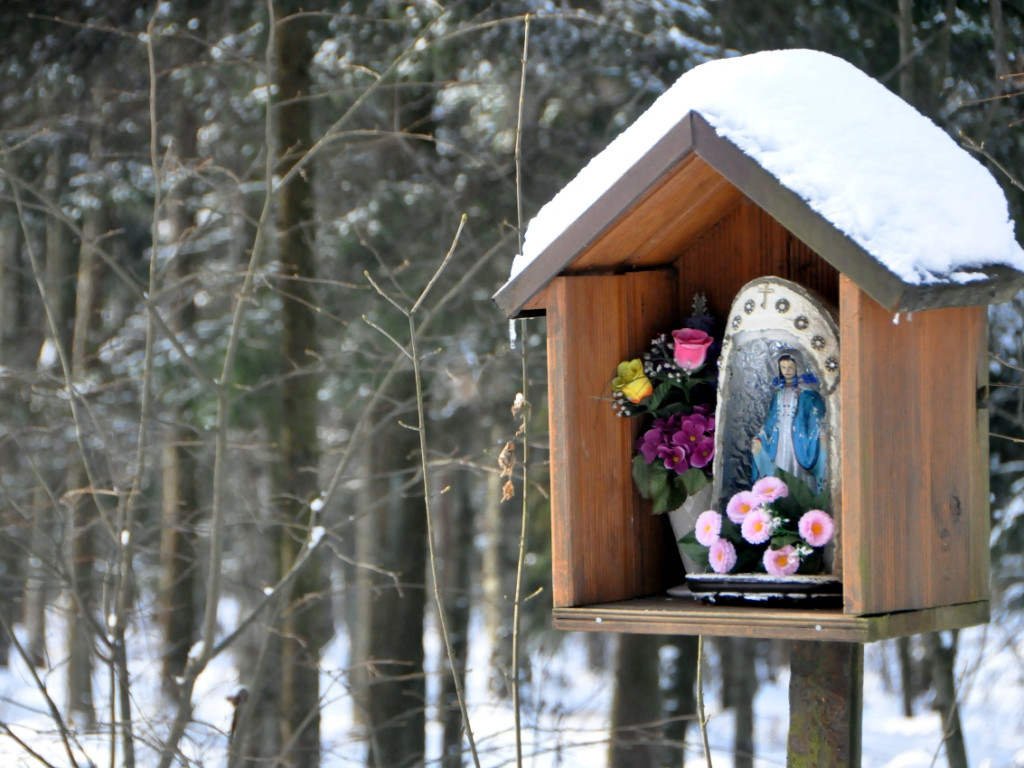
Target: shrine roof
<point x="874" y="187"/>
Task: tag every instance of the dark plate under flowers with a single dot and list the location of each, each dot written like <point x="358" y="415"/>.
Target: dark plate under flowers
<point x="797" y="591"/>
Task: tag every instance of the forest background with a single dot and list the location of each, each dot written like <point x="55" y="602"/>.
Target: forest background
<point x="257" y="402"/>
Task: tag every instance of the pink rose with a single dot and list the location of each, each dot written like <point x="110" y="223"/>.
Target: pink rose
<point x="691" y="348"/>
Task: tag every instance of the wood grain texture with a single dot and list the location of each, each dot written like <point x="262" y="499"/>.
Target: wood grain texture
<point x="683" y="204"/>
<point x="746" y="244"/>
<point x="915" y="529"/>
<point x="679" y="616"/>
<point x="606" y="545"/>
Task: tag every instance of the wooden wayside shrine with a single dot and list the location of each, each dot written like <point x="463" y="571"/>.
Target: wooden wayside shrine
<point x="693" y="213"/>
<point x="697" y="215"/>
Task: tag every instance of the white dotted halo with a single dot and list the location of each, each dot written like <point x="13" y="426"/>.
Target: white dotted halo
<point x="771" y="304"/>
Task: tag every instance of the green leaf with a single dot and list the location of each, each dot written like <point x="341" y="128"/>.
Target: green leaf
<point x="662" y="500"/>
<point x="780" y="540"/>
<point x="660" y="393"/>
<point x="820" y="501"/>
<point x="749" y="559"/>
<point x="813" y="563"/>
<point x="694" y="479"/>
<point x="731" y="531"/>
<point x="799" y="492"/>
<point x="650" y="479"/>
<point x="694" y="550"/>
<point x="673" y="496"/>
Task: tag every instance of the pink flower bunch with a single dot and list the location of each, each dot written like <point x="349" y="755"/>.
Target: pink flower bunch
<point x="763" y="528"/>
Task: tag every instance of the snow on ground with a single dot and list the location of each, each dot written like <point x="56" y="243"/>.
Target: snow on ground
<point x="564" y="713"/>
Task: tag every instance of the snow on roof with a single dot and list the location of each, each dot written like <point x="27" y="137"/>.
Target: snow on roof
<point x="864" y="159"/>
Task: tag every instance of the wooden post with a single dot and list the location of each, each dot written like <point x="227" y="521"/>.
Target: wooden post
<point x="826" y="692"/>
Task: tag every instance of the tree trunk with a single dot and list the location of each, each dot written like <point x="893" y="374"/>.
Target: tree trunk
<point x="79" y="502"/>
<point x="60" y="259"/>
<point x="392" y="543"/>
<point x="10" y="568"/>
<point x="178" y="603"/>
<point x="1000" y="61"/>
<point x="307" y="618"/>
<point x="906" y="41"/>
<point x="680" y="700"/>
<point x="457" y="551"/>
<point x="82" y="514"/>
<point x="943" y="664"/>
<point x="826" y="695"/>
<point x="906" y="663"/>
<point x="177" y="607"/>
<point x="10" y="326"/>
<point x="492" y="591"/>
<point x="82" y="497"/>
<point x="636" y="705"/>
<point x="38" y="583"/>
<point x="257" y="741"/>
<point x="744" y="688"/>
<point x="10" y="555"/>
<point x="498" y="529"/>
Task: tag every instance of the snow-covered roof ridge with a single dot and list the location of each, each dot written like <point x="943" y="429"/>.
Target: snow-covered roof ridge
<point x="862" y="158"/>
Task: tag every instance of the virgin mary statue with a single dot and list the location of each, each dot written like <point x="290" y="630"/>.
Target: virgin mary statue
<point x="791" y="438"/>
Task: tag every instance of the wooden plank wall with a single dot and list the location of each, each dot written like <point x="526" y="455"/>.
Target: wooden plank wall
<point x="914" y="448"/>
<point x="606" y="545"/>
<point x="746" y="244"/>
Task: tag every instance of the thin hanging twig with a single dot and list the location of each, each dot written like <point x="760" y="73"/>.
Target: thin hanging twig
<point x="702" y="719"/>
<point x="521" y="560"/>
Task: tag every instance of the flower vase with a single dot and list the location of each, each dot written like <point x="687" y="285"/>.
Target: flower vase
<point x="685" y="517"/>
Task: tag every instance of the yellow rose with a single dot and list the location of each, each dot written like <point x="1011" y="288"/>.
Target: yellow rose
<point x="631" y="381"/>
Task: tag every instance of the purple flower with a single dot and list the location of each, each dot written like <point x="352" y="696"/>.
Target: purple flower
<point x="674" y="457"/>
<point x="703" y="452"/>
<point x="690" y="431"/>
<point x="649" y="444"/>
